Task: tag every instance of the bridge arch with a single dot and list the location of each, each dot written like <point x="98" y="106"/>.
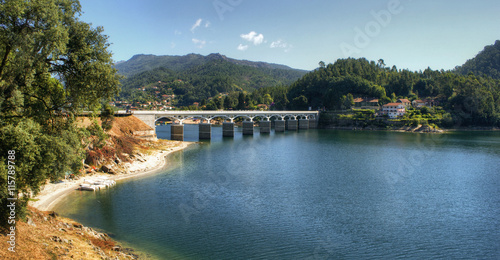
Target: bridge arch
<point x="166" y="117"/>
<point x="224" y="117"/>
<point x="244" y="117"/>
<point x="150" y="117"/>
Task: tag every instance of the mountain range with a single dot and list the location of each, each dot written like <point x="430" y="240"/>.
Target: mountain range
<point x="144" y="62"/>
<point x="194" y="77"/>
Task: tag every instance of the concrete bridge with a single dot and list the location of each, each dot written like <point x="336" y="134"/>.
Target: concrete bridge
<point x="283" y="120"/>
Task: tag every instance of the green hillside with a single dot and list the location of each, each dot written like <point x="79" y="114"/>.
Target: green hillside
<point x="193" y="77"/>
<point x="464" y="100"/>
<point x="141" y="62"/>
<point x="486" y="63"/>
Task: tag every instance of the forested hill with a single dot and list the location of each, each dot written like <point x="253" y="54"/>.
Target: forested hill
<point x="487" y="62"/>
<point x="468" y="100"/>
<point x="193" y="77"/>
<point x="141" y="62"/>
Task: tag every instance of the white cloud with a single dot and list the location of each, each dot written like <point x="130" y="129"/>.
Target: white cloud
<point x="281" y="44"/>
<point x="199" y="43"/>
<point x="196" y="25"/>
<point x="278" y="44"/>
<point x="207" y="24"/>
<point x="242" y="47"/>
<point x="253" y="37"/>
<point x="177" y="32"/>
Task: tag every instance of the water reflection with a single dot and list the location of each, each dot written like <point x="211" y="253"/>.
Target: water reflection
<point x="313" y="194"/>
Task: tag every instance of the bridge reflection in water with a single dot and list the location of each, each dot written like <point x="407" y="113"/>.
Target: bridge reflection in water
<point x="283" y="120"/>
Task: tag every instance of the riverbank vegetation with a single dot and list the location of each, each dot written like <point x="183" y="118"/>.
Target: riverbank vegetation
<point x="463" y="100"/>
<point x="53" y="66"/>
<point x="366" y="119"/>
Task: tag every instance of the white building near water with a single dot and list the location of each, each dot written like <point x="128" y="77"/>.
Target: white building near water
<point x="394" y="110"/>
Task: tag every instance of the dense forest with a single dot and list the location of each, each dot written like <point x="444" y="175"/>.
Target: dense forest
<point x="141" y="62"/>
<point x="193" y="78"/>
<point x="486" y="63"/>
<point x="469" y="99"/>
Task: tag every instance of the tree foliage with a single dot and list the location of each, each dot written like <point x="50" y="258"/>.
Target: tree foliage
<point x="107" y="117"/>
<point x="486" y="63"/>
<point x="200" y="77"/>
<point x="52" y="66"/>
<point x="470" y="99"/>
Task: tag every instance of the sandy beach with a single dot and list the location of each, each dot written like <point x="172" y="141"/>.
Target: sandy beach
<point x="52" y="193"/>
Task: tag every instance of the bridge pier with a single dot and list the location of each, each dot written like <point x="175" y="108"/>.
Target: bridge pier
<point x="227" y="129"/>
<point x="205" y="131"/>
<point x="177" y="132"/>
<point x="279" y="125"/>
<point x="150" y="117"/>
<point x="304" y="124"/>
<point x="247" y="127"/>
<point x="292" y="125"/>
<point x="313" y="123"/>
<point x="265" y="127"/>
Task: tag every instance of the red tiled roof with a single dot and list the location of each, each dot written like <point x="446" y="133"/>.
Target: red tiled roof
<point x="392" y="105"/>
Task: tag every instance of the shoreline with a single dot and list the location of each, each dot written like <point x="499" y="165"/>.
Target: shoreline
<point x="409" y="129"/>
<point x="52" y="193"/>
<point x="406" y="129"/>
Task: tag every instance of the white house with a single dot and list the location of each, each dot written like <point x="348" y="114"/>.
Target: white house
<point x="394" y="110"/>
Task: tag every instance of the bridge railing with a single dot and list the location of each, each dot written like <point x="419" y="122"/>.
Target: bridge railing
<point x="206" y="112"/>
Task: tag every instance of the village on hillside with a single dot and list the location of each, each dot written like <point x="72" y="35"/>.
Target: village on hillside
<point x="395" y="109"/>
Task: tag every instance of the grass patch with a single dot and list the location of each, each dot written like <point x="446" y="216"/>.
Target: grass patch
<point x="104" y="245"/>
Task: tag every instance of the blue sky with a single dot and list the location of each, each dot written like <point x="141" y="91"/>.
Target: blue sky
<point x="412" y="34"/>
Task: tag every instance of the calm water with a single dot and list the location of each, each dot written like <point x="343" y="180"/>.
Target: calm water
<point x="313" y="194"/>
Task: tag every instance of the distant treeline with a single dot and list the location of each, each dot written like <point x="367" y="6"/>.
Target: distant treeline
<point x="471" y="100"/>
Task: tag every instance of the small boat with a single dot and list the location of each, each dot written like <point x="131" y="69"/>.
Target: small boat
<point x="86" y="186"/>
<point x="100" y="186"/>
<point x="97" y="184"/>
<point x="105" y="182"/>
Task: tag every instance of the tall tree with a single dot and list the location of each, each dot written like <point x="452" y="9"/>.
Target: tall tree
<point x="52" y="65"/>
<point x="228" y="103"/>
<point x="267" y="99"/>
<point x="347" y="101"/>
<point x="381" y="63"/>
<point x="299" y="103"/>
<point x="241" y="101"/>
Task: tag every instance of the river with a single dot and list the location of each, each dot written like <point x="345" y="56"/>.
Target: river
<point x="314" y="194"/>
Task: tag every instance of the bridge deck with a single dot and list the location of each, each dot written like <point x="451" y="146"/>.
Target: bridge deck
<point x="220" y="112"/>
<point x="150" y="117"/>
